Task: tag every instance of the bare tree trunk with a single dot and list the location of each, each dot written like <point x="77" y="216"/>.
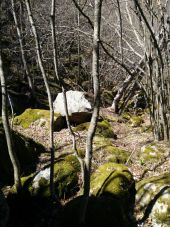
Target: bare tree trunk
<point x="55" y="58"/>
<point x="26" y="70"/>
<point x="95" y="114"/>
<point x="8" y="133"/>
<point x="40" y="62"/>
<point x="156" y="45"/>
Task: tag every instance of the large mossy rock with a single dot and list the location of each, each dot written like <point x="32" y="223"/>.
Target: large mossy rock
<point x="104" y="148"/>
<point x="153" y="199"/>
<point x="27" y="152"/>
<point x="4" y="210"/>
<point x="111" y="202"/>
<point x="39" y="117"/>
<point x="65" y="179"/>
<point x="103" y="129"/>
<point x="152" y="153"/>
<point x="114" y="179"/>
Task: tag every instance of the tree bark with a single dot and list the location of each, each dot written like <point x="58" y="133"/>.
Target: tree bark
<point x="40" y="62"/>
<point x="8" y="132"/>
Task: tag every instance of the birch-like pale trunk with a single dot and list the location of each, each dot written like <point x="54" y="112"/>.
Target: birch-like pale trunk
<point x="40" y="62"/>
<point x="8" y="132"/>
<point x="55" y="59"/>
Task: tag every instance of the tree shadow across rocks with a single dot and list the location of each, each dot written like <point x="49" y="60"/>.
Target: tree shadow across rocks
<point x="151" y="204"/>
<point x="105" y="210"/>
<point x="32" y="211"/>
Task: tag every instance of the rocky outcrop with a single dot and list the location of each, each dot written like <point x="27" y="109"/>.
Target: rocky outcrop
<point x="153" y="199"/>
<point x="76" y="102"/>
<point x="79" y="108"/>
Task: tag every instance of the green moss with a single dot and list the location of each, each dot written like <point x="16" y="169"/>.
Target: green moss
<point x="82" y="127"/>
<point x="111" y="178"/>
<point x="126" y="116"/>
<point x="163" y="179"/>
<point x="25" y="181"/>
<point x="72" y="159"/>
<point x="104" y="129"/>
<point x="102" y="141"/>
<point x="117" y="154"/>
<point x="163" y="217"/>
<point x="147" y="128"/>
<point x="32" y="115"/>
<point x="65" y="179"/>
<point x="151" y="153"/>
<point x="136" y="121"/>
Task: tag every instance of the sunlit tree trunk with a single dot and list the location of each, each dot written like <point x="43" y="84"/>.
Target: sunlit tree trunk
<point x="8" y="132"/>
<point x="40" y="62"/>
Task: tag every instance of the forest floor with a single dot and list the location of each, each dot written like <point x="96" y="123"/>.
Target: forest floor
<point x="129" y="138"/>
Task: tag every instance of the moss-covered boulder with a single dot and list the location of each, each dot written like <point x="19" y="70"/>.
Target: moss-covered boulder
<point x="27" y="152"/>
<point x="153" y="199"/>
<point x="117" y="154"/>
<point x="112" y="178"/>
<point x="152" y="153"/>
<point x="136" y="121"/>
<point x="104" y="129"/>
<point x="4" y="210"/>
<point x="105" y="149"/>
<point x="65" y="179"/>
<point x="39" y="117"/>
<point x="111" y="202"/>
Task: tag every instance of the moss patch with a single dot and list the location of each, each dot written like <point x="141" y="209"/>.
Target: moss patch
<point x="111" y="178"/>
<point x="65" y="179"/>
<point x="41" y="117"/>
<point x="104" y="129"/>
<point x="151" y="153"/>
<point x="117" y="154"/>
<point x="136" y="121"/>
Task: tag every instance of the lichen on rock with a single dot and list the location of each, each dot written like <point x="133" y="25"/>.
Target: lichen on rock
<point x="152" y="153"/>
<point x="153" y="193"/>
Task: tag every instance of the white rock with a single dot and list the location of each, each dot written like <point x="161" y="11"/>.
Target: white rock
<point x="42" y="174"/>
<point x="76" y="102"/>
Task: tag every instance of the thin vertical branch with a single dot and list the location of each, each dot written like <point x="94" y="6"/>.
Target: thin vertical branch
<point x="8" y="132"/>
<point x="40" y="62"/>
<point x="26" y="70"/>
<point x="121" y="28"/>
<point x="55" y="59"/>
